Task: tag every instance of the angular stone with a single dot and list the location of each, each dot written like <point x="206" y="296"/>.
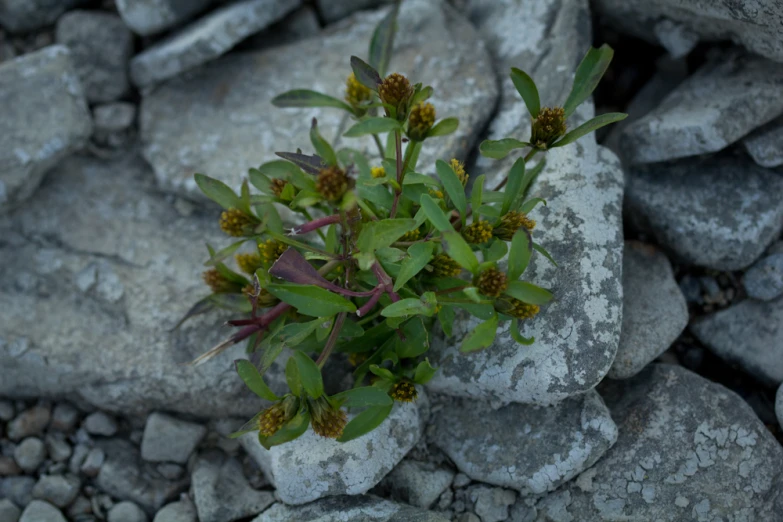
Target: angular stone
<point x="532" y="449"/>
<point x="216" y="479"/>
<point x="332" y="11"/>
<point x="654" y="310"/>
<point x="64" y="417"/>
<point x="764" y="280"/>
<point x="688" y="449"/>
<point x="750" y="334"/>
<point x="100" y="47"/>
<point x="147" y="17"/>
<point x="127" y="512"/>
<point x="58" y="490"/>
<point x="491" y="504"/>
<point x="754" y="24"/>
<point x="206" y="39"/>
<point x="40" y="511"/>
<point x="92" y="463"/>
<point x="30" y="454"/>
<point x="58" y="448"/>
<point x="312" y="466"/>
<point x="232" y="125"/>
<point x="416" y="483"/>
<point x="45" y="119"/>
<point x="19" y="16"/>
<point x="8" y="511"/>
<point x="765" y="145"/>
<point x="298" y="25"/>
<point x="113" y="123"/>
<point x="718" y="212"/>
<point x="364" y="508"/>
<point x="7" y="411"/>
<point x="167" y="439"/>
<point x="722" y="102"/>
<point x="182" y="511"/>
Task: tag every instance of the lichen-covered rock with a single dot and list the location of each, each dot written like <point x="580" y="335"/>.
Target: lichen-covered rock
<point x="19" y="16"/>
<point x="719" y="212"/>
<point x="532" y="449"/>
<point x="146" y="17"/>
<point x="752" y="23"/>
<point x="232" y="126"/>
<point x="349" y="509"/>
<point x="765" y="145"/>
<point x="416" y="483"/>
<point x="719" y="104"/>
<point x="749" y="334"/>
<point x="688" y="449"/>
<point x="654" y="310"/>
<point x="312" y="467"/>
<point x="45" y="118"/>
<point x="206" y="39"/>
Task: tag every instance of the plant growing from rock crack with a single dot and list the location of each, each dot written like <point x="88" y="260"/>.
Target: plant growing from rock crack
<point x="384" y="252"/>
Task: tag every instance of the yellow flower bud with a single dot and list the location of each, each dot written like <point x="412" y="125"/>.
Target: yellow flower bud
<point x="396" y="90"/>
<point x="271" y="250"/>
<point x="510" y="223"/>
<point x="404" y="391"/>
<point x="459" y="170"/>
<point x="478" y="232"/>
<point x="249" y="263"/>
<point x="547" y="127"/>
<point x="421" y="120"/>
<point x="218" y="282"/>
<point x="236" y="223"/>
<point x="378" y="172"/>
<point x="445" y="266"/>
<point x="492" y="282"/>
<point x="356" y="93"/>
<point x="333" y="183"/>
<point x="327" y="421"/>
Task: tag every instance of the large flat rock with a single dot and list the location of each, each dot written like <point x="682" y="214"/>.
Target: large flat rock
<point x="349" y="509"/>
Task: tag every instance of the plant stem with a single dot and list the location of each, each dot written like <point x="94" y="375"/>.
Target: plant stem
<point x="316" y="224"/>
<point x="528" y="157"/>
<point x="397" y="192"/>
<point x="332" y="341"/>
<point x="381" y="149"/>
<point x="308" y="216"/>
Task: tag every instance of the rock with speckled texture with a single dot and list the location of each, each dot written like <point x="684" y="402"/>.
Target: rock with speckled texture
<point x="688" y="449"/>
<point x="349" y="509"/>
<point x="722" y="102"/>
<point x="44" y="119"/>
<point x="416" y="483"/>
<point x="719" y="212"/>
<point x="232" y="126"/>
<point x="779" y="405"/>
<point x="532" y="449"/>
<point x="312" y="467"/>
<point x="654" y="310"/>
<point x="765" y="145"/>
<point x="146" y="17"/>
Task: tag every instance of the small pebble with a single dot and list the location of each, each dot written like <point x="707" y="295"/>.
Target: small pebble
<point x="57" y="489"/>
<point x="17" y="489"/>
<point x="99" y="423"/>
<point x="80" y="506"/>
<point x="127" y="512"/>
<point x="170" y="470"/>
<point x="8" y="511"/>
<point x="40" y="511"/>
<point x="64" y="417"/>
<point x="764" y="280"/>
<point x="30" y="422"/>
<point x="182" y="511"/>
<point x="460" y="480"/>
<point x="30" y="454"/>
<point x="7" y="411"/>
<point x="168" y="439"/>
<point x="77" y="459"/>
<point x="8" y="467"/>
<point x="59" y="449"/>
<point x="93" y="462"/>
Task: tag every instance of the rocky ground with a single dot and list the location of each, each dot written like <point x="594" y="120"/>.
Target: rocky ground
<point x="653" y="391"/>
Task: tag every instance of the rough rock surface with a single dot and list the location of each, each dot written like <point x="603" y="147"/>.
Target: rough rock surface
<point x="749" y="334"/>
<point x="45" y="119"/>
<point x="654" y="310"/>
<point x="577" y="334"/>
<point x="126" y="512"/>
<point x="688" y="449"/>
<point x="19" y="16"/>
<point x="232" y="126"/>
<point x="206" y="39"/>
<point x="349" y="509"/>
<point x="416" y="483"/>
<point x="146" y="17"/>
<point x="532" y="449"/>
<point x="312" y="467"/>
<point x="167" y="439"/>
<point x="765" y="145"/>
<point x="719" y="212"/>
<point x="332" y="11"/>
<point x="779" y="405"/>
<point x="182" y="511"/>
<point x="722" y="102"/>
<point x="88" y="307"/>
<point x="764" y="280"/>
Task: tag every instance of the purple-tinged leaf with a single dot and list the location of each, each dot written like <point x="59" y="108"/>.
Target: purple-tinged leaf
<point x="294" y="268"/>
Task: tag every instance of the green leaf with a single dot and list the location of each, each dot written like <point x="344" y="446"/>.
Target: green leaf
<point x="284" y="170"/>
<point x="379" y="234"/>
<point x="499" y="149"/>
<point x="518" y="337"/>
<point x="233" y="302"/>
<point x="383" y="373"/>
<point x="421" y="95"/>
<point x="306" y="198"/>
<point x="311" y="300"/>
<point x="365" y="422"/>
<point x="412" y="306"/>
<point x="530" y="204"/>
<point x="365" y="73"/>
<point x="416" y="341"/>
<point x="590" y="126"/>
<point x="433" y="212"/>
<point x="473" y="294"/>
<point x="444" y="127"/>
<point x="453" y="186"/>
<point x="460" y="251"/>
<point x="419" y="255"/>
<point x="223" y="253"/>
<point x="515" y="186"/>
<point x="446" y="319"/>
<point x="541" y="250"/>
<point x="249" y="374"/>
<point x="310" y="374"/>
<point x="218" y="191"/>
<point x="526" y="88"/>
<point x="482" y="311"/>
<point x="292" y="377"/>
<point x="415" y="178"/>
<point x="322" y="147"/>
<point x="528" y="292"/>
<point x="251" y="425"/>
<point x="588" y="74"/>
<point x="519" y="254"/>
<point x="496" y="251"/>
<point x="260" y="181"/>
<point x="308" y="98"/>
<point x="480" y="337"/>
<point x="424" y="372"/>
<point x="363" y="397"/>
<point x="372" y="126"/>
<point x="289" y="431"/>
<point x="476" y="195"/>
<point x="382" y="42"/>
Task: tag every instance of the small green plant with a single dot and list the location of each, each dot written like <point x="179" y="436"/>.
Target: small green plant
<point x="385" y="254"/>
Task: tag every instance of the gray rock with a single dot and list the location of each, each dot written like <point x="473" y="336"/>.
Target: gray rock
<point x="48" y="346"/>
<point x="40" y="511"/>
<point x="416" y="483"/>
<point x="113" y="123"/>
<point x="688" y="449"/>
<point x="764" y="280"/>
<point x="99" y="423"/>
<point x="58" y="448"/>
<point x="170" y="471"/>
<point x="58" y="490"/>
<point x="101" y="47"/>
<point x="167" y="439"/>
<point x="719" y="104"/>
<point x="18" y="490"/>
<point x="80" y="507"/>
<point x="8" y="466"/>
<point x="7" y="411"/>
<point x="654" y="310"/>
<point x="147" y="17"/>
<point x="19" y="16"/>
<point x="332" y="11"/>
<point x="765" y="145"/>
<point x="312" y="467"/>
<point x="300" y="24"/>
<point x="123" y="477"/>
<point x="750" y="334"/>
<point x="719" y="212"/>
<point x="8" y="511"/>
<point x="491" y="504"/>
<point x="206" y="39"/>
<point x="127" y="512"/>
<point x="752" y="23"/>
<point x="30" y="454"/>
<point x="576" y="335"/>
<point x="364" y="508"/>
<point x="467" y="517"/>
<point x="779" y="406"/>
<point x="91" y="465"/>
<point x="182" y="511"/>
<point x="532" y="449"/>
<point x="231" y="117"/>
<point x="80" y="453"/>
<point x="64" y="417"/>
<point x="45" y="119"/>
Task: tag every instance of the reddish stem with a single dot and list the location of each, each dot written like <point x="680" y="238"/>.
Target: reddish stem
<point x="315" y="224"/>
